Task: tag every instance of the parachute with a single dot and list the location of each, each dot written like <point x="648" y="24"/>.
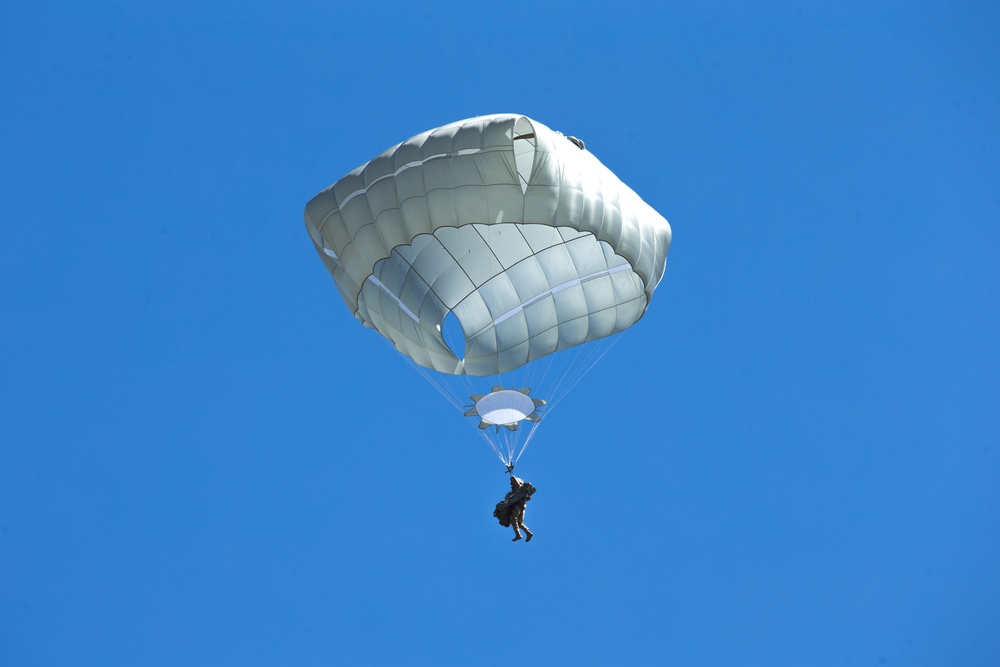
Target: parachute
<point x="485" y="247"/>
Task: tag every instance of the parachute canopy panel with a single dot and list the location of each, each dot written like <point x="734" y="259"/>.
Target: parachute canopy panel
<point x="527" y="240"/>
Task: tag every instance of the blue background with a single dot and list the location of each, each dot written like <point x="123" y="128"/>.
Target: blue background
<point x="791" y="460"/>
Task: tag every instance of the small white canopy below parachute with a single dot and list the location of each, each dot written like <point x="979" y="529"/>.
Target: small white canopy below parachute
<point x="505" y="407"/>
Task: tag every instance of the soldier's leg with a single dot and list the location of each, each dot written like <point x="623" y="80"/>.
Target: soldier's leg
<point x="516" y="517"/>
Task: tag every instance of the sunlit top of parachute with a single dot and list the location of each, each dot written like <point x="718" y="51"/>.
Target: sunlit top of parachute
<point x="510" y="227"/>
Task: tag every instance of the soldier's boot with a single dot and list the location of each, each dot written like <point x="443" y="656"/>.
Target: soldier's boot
<point x="529" y="535"/>
<point x="517" y="535"/>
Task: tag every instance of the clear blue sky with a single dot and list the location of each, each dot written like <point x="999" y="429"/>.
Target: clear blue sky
<point x="793" y="459"/>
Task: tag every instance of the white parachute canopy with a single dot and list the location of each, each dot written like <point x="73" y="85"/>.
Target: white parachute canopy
<point x="506" y="234"/>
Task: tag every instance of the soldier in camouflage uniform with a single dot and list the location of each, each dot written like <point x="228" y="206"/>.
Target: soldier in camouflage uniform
<point x="519" y="494"/>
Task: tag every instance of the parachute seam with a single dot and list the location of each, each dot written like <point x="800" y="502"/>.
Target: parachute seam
<point x="501" y="270"/>
<point x="608" y="271"/>
<point x="549" y="285"/>
<point x="411" y="165"/>
<point x="615" y="306"/>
